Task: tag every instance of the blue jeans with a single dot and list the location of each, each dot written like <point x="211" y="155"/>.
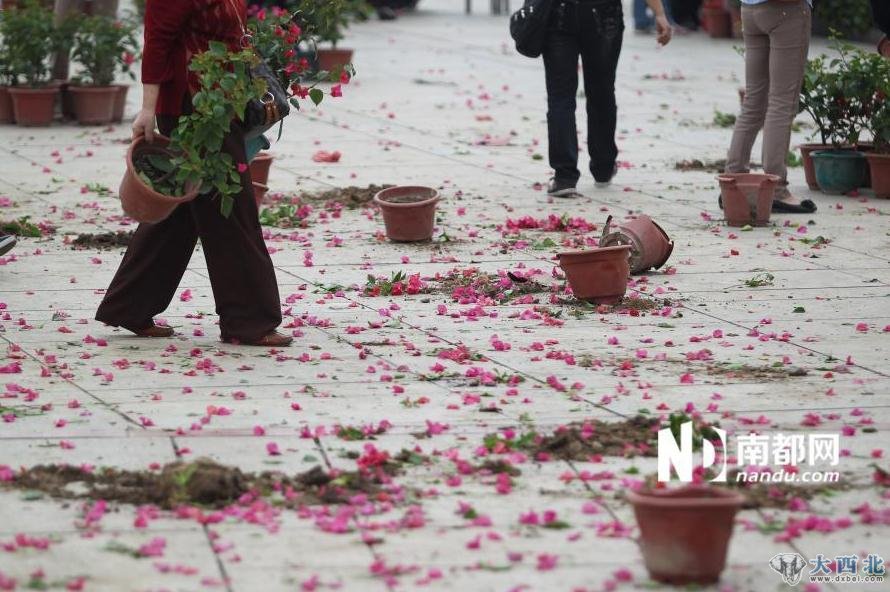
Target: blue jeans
<point x="642" y="18"/>
<point x="592" y="29"/>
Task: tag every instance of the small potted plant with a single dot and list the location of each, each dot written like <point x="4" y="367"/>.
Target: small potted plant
<point x="102" y="45"/>
<point x="409" y="212"/>
<point x="328" y="21"/>
<point x="817" y="100"/>
<point x="31" y="39"/>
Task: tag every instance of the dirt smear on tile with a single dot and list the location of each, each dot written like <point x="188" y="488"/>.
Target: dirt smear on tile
<point x="351" y="197"/>
<point x="103" y="241"/>
<point x="745" y="371"/>
<point x="579" y="441"/>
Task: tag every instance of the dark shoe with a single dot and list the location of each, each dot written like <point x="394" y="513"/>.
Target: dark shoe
<point x="7" y="242"/>
<point x="155" y="331"/>
<point x="720" y="201"/>
<point x="603" y="182"/>
<point x="557" y="188"/>
<point x="385" y="13"/>
<point x="804" y="207"/>
<point x="273" y="339"/>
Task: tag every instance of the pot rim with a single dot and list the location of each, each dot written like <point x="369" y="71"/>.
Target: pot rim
<point x="877" y="155"/>
<point x="258" y="185"/>
<point x="688" y="496"/>
<point x="735" y="177"/>
<point x="850" y="153"/>
<point x="434" y="198"/>
<point x="91" y="88"/>
<point x="592" y="252"/>
<point x="164" y="140"/>
<point x="263" y="155"/>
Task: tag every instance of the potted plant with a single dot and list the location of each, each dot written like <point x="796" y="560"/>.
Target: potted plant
<point x="31" y="39"/>
<point x="817" y="99"/>
<point x="328" y="21"/>
<point x="716" y="19"/>
<point x="409" y="212"/>
<point x="685" y="532"/>
<point x="102" y="45"/>
<point x="878" y="126"/>
<point x="6" y="78"/>
<point x="598" y="275"/>
<point x="162" y="174"/>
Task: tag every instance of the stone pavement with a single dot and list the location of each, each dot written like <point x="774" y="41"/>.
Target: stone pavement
<point x="442" y="100"/>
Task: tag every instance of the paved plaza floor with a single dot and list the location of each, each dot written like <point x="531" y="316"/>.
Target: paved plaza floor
<point x="779" y="330"/>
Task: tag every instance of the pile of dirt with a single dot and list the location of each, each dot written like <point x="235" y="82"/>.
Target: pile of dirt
<point x="579" y="441"/>
<point x="747" y="372"/>
<point x="351" y="197"/>
<point x="103" y="241"/>
<point x="713" y="166"/>
<point x="202" y="482"/>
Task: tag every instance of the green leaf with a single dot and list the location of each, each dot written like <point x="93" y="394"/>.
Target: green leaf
<point x="226" y="205"/>
<point x="316" y="95"/>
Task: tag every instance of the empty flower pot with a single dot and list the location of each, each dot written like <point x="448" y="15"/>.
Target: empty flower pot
<point x="34" y="107"/>
<point x="806" y="155"/>
<point x="839" y="171"/>
<point x="599" y="275"/>
<point x="685" y="532"/>
<point x="747" y="197"/>
<point x="650" y="246"/>
<point x="259" y="167"/>
<point x="259" y="193"/>
<point x="141" y="202"/>
<point x="94" y="105"/>
<point x="879" y="164"/>
<point x="409" y="213"/>
<point x="331" y="60"/>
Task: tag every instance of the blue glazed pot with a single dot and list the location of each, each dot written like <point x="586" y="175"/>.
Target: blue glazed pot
<point x="839" y="171"/>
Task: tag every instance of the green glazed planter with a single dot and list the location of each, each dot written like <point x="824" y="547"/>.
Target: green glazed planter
<point x="839" y="171"/>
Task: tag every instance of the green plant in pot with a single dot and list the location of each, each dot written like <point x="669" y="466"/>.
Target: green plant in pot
<point x="878" y="126"/>
<point x="102" y="46"/>
<point x="328" y="21"/>
<point x="165" y="173"/>
<point x="31" y="39"/>
<point x="843" y="169"/>
<point x="817" y="100"/>
<point x="6" y="78"/>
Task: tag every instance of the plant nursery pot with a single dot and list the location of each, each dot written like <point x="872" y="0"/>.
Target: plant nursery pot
<point x="839" y="171"/>
<point x="409" y="213"/>
<point x="806" y="155"/>
<point x="879" y="164"/>
<point x="650" y="246"/>
<point x="685" y="533"/>
<point x="599" y="275"/>
<point x="120" y="102"/>
<point x="330" y="59"/>
<point x="6" y="115"/>
<point x="141" y="202"/>
<point x="259" y="168"/>
<point x="259" y="193"/>
<point x="747" y="197"/>
<point x="717" y="21"/>
<point x="94" y="105"/>
<point x="34" y="107"/>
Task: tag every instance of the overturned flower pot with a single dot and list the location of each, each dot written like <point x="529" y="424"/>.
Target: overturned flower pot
<point x="747" y="197"/>
<point x="650" y="246"/>
<point x="409" y="213"/>
<point x="599" y="275"/>
<point x="685" y="532"/>
<point x="141" y="193"/>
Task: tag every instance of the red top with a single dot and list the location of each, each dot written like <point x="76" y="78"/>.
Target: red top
<point x="174" y="32"/>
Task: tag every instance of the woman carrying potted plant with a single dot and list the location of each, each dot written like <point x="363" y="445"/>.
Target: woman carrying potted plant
<point x="777" y="39"/>
<point x="101" y="45"/>
<point x="241" y="271"/>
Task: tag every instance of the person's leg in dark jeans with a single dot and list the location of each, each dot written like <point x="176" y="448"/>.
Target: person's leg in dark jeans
<point x="603" y="22"/>
<point x="561" y="53"/>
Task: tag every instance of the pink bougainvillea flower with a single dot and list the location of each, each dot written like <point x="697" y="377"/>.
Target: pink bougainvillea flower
<point x="325" y="156"/>
<point x="336" y="91"/>
<point x="272" y="449"/>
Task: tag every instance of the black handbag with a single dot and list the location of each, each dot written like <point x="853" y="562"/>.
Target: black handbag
<point x="528" y="27"/>
<point x="263" y="113"/>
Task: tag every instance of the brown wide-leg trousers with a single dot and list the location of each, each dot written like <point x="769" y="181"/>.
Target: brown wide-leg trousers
<point x="777" y="37"/>
<point x="241" y="271"/>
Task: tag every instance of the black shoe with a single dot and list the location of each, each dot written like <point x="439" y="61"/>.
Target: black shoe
<point x="7" y="242"/>
<point x="557" y="188"/>
<point x="385" y="13"/>
<point x="603" y="182"/>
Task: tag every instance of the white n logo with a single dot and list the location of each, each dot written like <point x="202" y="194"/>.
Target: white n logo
<point x="679" y="456"/>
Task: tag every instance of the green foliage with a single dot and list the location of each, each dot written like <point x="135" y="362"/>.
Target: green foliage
<point x="103" y="45"/>
<point x="329" y="19"/>
<point x="849" y="18"/>
<point x="29" y="41"/>
<point x="285" y="216"/>
<point x="760" y="279"/>
<point x="725" y="120"/>
<point x="20" y="227"/>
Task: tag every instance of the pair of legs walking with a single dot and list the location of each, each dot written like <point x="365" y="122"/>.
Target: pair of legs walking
<point x="593" y="30"/>
<point x="241" y="271"/>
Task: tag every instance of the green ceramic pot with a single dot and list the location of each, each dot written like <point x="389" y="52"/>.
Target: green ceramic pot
<point x="839" y="171"/>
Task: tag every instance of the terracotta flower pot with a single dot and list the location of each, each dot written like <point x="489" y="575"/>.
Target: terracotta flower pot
<point x="809" y="170"/>
<point x="6" y="115"/>
<point x="685" y="533"/>
<point x="330" y="59"/>
<point x="259" y="168"/>
<point x="120" y="102"/>
<point x="747" y="197"/>
<point x="884" y="47"/>
<point x="879" y="164"/>
<point x="650" y="246"/>
<point x="94" y="105"/>
<point x="599" y="275"/>
<point x="409" y="213"/>
<point x="259" y="193"/>
<point x="141" y="202"/>
<point x="717" y="21"/>
<point x="34" y="107"/>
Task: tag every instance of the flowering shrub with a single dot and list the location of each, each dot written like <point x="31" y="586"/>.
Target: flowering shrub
<point x="30" y="39"/>
<point x="103" y="45"/>
<point x="396" y="285"/>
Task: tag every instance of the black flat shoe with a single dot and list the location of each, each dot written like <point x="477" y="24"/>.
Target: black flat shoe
<point x="720" y="201"/>
<point x="804" y="207"/>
